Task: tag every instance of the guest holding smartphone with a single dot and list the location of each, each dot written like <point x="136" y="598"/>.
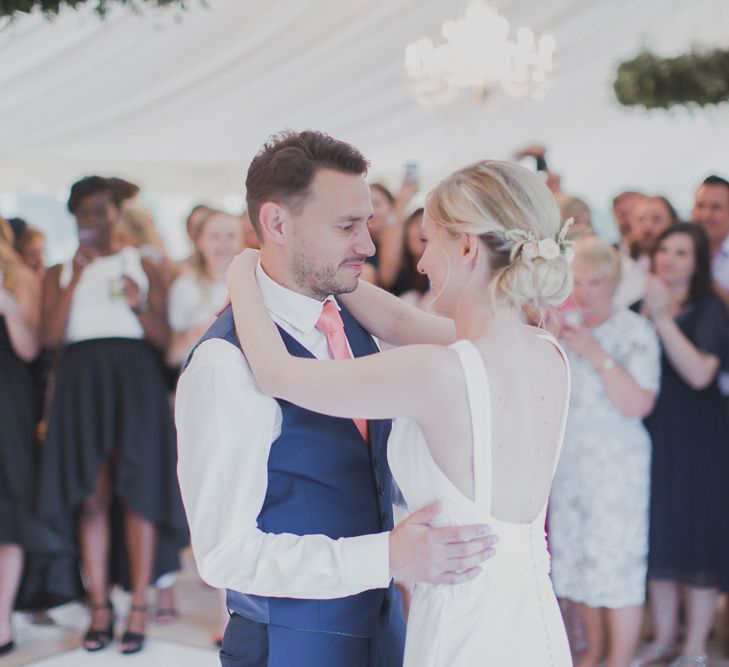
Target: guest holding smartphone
<point x="110" y="452"/>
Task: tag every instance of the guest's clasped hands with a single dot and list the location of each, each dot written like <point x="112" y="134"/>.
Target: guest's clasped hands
<point x="657" y="299"/>
<point x="582" y="342"/>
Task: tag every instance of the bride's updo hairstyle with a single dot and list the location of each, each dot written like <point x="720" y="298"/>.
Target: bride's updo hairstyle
<point x="511" y="210"/>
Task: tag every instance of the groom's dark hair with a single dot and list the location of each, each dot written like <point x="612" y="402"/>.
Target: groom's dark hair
<point x="285" y="167"/>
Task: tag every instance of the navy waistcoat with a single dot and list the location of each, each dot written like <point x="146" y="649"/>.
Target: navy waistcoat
<point x="323" y="479"/>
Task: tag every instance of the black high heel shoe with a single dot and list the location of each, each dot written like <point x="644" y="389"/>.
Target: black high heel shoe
<point x="7" y="647"/>
<point x="134" y="640"/>
<point x="95" y="640"/>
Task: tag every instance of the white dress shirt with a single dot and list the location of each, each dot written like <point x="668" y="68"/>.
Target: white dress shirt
<point x="225" y="428"/>
<point x="720" y="273"/>
<point x="720" y="265"/>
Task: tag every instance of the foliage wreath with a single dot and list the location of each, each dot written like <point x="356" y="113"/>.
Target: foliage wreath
<point x="52" y="7"/>
<point x="692" y="79"/>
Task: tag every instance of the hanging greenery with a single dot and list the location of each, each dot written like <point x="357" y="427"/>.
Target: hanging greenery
<point x="51" y="7"/>
<point x="693" y="79"/>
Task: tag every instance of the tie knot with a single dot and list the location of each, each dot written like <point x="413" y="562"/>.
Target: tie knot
<point x="330" y="321"/>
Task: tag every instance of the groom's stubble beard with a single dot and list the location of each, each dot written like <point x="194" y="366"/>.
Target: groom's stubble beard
<point x="317" y="280"/>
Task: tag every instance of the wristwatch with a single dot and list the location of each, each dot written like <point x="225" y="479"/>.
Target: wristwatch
<point x="607" y="364"/>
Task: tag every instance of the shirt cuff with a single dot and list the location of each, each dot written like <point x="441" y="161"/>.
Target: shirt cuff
<point x="366" y="559"/>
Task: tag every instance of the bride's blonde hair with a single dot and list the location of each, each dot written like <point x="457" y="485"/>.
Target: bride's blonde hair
<point x="506" y="206"/>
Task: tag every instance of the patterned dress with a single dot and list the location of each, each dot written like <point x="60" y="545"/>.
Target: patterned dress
<point x="598" y="520"/>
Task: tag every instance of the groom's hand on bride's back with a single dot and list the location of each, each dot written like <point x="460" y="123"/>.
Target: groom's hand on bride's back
<point x="448" y="555"/>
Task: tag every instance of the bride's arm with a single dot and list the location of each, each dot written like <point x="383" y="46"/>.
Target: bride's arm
<point x="403" y="382"/>
<point x="392" y="320"/>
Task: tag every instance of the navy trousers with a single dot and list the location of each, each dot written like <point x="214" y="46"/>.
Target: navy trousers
<point x="250" y="644"/>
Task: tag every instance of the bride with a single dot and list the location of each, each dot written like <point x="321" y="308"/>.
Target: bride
<point x="479" y="423"/>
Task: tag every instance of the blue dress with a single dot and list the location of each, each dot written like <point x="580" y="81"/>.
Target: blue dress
<point x="689" y="508"/>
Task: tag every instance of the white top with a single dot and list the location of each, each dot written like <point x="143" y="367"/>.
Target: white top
<point x="193" y="301"/>
<point x="99" y="308"/>
<point x="225" y="428"/>
<point x="720" y="264"/>
<point x="720" y="273"/>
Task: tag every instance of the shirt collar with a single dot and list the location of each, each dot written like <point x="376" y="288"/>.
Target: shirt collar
<point x="298" y="310"/>
<point x="724" y="248"/>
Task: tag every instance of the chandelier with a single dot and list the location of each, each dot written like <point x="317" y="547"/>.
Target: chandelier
<point x="479" y="56"/>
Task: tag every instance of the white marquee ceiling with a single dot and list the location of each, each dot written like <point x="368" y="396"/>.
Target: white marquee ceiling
<point x="181" y="101"/>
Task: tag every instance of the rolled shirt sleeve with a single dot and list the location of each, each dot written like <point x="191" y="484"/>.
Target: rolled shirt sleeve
<point x="225" y="430"/>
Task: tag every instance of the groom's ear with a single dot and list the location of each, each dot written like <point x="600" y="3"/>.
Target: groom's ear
<point x="275" y="222"/>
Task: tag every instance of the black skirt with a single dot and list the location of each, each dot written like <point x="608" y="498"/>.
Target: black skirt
<point x="110" y="404"/>
<point x="50" y="573"/>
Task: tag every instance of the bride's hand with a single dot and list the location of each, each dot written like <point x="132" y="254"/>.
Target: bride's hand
<point x="242" y="267"/>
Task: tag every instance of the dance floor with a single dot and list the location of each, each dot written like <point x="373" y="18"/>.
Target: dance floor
<point x="185" y="643"/>
<point x="159" y="652"/>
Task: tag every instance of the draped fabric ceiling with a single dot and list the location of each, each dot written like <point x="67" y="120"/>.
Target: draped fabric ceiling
<point x="180" y="101"/>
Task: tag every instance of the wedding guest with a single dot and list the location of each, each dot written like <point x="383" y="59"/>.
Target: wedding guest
<point x="196" y="215"/>
<point x="413" y="286"/>
<point x="383" y="203"/>
<point x="580" y="212"/>
<point x="395" y="259"/>
<point x="551" y="179"/>
<point x="711" y="211"/>
<point x="689" y="517"/>
<point x="31" y="246"/>
<point x="250" y="239"/>
<point x="650" y="217"/>
<point x="197" y="295"/>
<point x="195" y="298"/>
<point x="17" y="226"/>
<point x="110" y="452"/>
<point x="598" y="521"/>
<point x="123" y="191"/>
<point x="137" y="228"/>
<point x="623" y="205"/>
<point x="19" y="318"/>
<point x="25" y="543"/>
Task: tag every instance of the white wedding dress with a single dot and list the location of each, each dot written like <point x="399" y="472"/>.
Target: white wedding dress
<point x="508" y="615"/>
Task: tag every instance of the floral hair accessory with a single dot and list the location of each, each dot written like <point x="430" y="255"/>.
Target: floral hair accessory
<point x="529" y="247"/>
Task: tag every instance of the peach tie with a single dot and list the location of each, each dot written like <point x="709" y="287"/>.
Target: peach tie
<point x="331" y="325"/>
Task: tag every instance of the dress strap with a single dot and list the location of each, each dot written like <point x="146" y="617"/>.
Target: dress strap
<point x="545" y="335"/>
<point x="479" y="404"/>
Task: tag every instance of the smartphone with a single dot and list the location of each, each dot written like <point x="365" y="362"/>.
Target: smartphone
<point x="88" y="238"/>
<point x="528" y="162"/>
<point x="411" y="172"/>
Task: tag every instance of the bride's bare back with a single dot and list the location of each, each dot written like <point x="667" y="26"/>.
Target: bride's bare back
<point x="528" y="383"/>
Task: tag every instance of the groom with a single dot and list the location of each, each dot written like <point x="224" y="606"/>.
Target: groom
<point x="289" y="510"/>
